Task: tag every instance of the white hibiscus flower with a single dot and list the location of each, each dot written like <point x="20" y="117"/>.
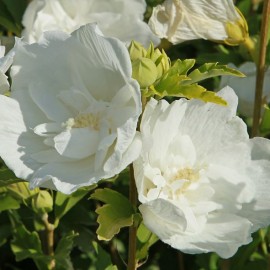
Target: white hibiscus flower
<point x="181" y="20"/>
<point x="71" y="119"/>
<point x="116" y="18"/>
<point x="245" y="87"/>
<point x="203" y="184"/>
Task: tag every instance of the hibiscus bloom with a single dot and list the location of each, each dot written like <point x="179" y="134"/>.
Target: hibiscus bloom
<point x="71" y="119"/>
<point x="116" y="18"/>
<point x="203" y="184"/>
<point x="181" y="20"/>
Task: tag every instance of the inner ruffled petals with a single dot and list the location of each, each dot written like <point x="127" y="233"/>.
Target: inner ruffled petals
<point x="77" y="143"/>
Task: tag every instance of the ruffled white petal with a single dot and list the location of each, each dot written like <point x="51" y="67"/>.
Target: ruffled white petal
<point x="202" y="182"/>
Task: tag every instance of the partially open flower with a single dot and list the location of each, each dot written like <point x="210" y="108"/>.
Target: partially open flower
<point x="203" y="184"/>
<point x="181" y="20"/>
<point x="116" y="18"/>
<point x="71" y="119"/>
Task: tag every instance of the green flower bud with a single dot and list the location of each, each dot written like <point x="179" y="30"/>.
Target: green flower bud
<point x="237" y="31"/>
<point x="42" y="202"/>
<point x="144" y="71"/>
<point x="160" y="59"/>
<point x="136" y="50"/>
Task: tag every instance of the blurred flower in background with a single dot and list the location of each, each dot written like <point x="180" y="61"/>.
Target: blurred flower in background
<point x="203" y="184"/>
<point x="183" y="20"/>
<point x="245" y="87"/>
<point x="122" y="19"/>
<point x="72" y="116"/>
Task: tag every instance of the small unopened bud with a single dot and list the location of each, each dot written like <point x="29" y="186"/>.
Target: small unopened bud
<point x="144" y="71"/>
<point x="136" y="50"/>
<point x="237" y="32"/>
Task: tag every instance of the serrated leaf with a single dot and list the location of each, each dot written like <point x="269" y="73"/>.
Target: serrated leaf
<point x="62" y="251"/>
<point x="182" y="67"/>
<point x="210" y="70"/>
<point x="193" y="91"/>
<point x="114" y="215"/>
<point x="63" y="203"/>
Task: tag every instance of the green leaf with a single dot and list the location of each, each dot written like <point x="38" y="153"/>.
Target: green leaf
<point x="103" y="258"/>
<point x="145" y="239"/>
<point x="210" y="70"/>
<point x="194" y="91"/>
<point x="7" y="20"/>
<point x="63" y="203"/>
<point x="5" y="232"/>
<point x="26" y="244"/>
<point x="16" y="8"/>
<point x="116" y="213"/>
<point x="265" y="123"/>
<point x="21" y="190"/>
<point x="182" y="67"/>
<point x="62" y="252"/>
<point x="7" y="177"/>
<point x="7" y="202"/>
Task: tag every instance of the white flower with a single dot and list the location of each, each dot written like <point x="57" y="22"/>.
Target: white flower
<point x="122" y="19"/>
<point x="203" y="184"/>
<point x="181" y="20"/>
<point x="72" y="117"/>
<point x="5" y="63"/>
<point x="245" y="87"/>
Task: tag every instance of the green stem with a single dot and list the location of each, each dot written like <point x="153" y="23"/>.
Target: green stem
<point x="49" y="230"/>
<point x="132" y="261"/>
<point x="261" y="68"/>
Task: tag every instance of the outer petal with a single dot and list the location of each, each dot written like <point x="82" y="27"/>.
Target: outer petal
<point x="17" y="142"/>
<point x="222" y="234"/>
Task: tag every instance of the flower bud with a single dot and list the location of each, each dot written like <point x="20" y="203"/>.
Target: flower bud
<point x="237" y="32"/>
<point x="144" y="71"/>
<point x="136" y="50"/>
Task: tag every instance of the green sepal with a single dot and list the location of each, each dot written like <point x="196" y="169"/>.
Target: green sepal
<point x="42" y="202"/>
<point x="116" y="213"/>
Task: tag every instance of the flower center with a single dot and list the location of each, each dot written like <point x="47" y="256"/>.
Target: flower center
<point x="83" y="120"/>
<point x="187" y="174"/>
